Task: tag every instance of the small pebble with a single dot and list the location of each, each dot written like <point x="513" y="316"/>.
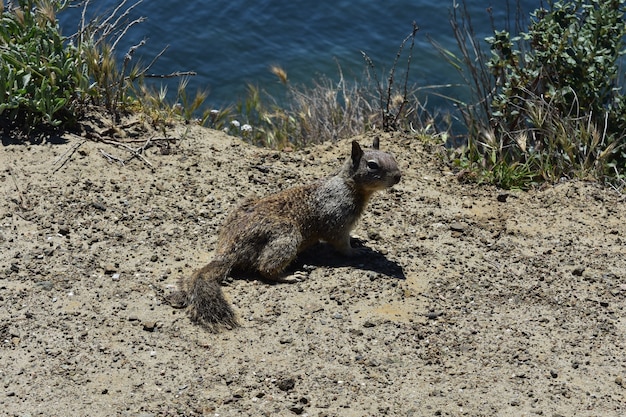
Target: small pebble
<point x="109" y="269"/>
<point x="149" y="326"/>
<point x="434" y="315"/>
<point x="502" y="197"/>
<point x="286" y="384"/>
<point x="458" y="227"/>
<point x="45" y="285"/>
<point x="297" y="409"/>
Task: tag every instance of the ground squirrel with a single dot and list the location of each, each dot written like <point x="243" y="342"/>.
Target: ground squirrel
<point x="265" y="235"/>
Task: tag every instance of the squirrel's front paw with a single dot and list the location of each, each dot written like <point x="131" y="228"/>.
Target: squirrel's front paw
<point x="297" y="276"/>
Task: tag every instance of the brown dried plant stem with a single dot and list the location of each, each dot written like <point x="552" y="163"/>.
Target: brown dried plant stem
<point x="135" y="153"/>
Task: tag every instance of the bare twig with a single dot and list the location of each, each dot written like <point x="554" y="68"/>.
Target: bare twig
<point x="107" y="27"/>
<point x="379" y="87"/>
<point x="151" y="139"/>
<point x="141" y="150"/>
<point x="83" y="25"/>
<point x="126" y="28"/>
<point x="153" y="61"/>
<point x="24" y="204"/>
<point x="111" y="158"/>
<point x="171" y="75"/>
<point x="406" y="76"/>
<point x="389" y="120"/>
<point x="127" y="59"/>
<point x="67" y="155"/>
<point x="135" y="152"/>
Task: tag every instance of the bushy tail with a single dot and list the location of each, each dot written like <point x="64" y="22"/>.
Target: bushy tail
<point x="205" y="300"/>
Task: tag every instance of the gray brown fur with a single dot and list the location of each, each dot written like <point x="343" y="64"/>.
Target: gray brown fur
<point x="265" y="235"/>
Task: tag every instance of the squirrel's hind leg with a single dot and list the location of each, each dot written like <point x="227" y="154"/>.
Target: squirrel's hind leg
<point x="279" y="251"/>
<point x="343" y="246"/>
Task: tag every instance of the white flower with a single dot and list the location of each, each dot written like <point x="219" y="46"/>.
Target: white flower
<point x="246" y="128"/>
<point x="235" y="123"/>
<point x="214" y="114"/>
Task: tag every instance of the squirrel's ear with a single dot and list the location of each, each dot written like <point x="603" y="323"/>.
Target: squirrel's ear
<point x="357" y="153"/>
<point x="376" y="143"/>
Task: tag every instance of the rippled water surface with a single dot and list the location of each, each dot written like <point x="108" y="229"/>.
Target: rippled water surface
<point x="233" y="42"/>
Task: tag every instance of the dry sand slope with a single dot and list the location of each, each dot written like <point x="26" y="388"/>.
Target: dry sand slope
<point x="469" y="302"/>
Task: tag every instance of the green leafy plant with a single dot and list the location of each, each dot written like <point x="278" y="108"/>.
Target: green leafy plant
<point x="572" y="62"/>
<point x="116" y="86"/>
<point x="549" y="97"/>
<point x="42" y="80"/>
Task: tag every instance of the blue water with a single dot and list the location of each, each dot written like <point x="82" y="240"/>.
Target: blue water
<point x="230" y="43"/>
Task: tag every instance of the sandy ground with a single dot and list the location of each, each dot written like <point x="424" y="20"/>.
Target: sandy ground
<point x="468" y="300"/>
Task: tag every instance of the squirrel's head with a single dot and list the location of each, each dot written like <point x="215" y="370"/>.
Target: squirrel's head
<point x="373" y="169"/>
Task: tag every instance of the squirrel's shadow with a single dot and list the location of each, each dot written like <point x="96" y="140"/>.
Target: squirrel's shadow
<point x="367" y="259"/>
<point x="324" y="255"/>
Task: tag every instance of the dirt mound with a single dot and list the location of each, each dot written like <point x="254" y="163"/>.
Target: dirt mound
<point x="471" y="301"/>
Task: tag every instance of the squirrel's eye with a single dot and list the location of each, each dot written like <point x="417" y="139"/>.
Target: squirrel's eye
<point x="372" y="165"/>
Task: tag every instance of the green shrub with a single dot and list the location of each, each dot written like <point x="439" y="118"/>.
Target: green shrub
<point x="42" y="80"/>
<point x="572" y="63"/>
<point x="549" y="99"/>
<point x="48" y="80"/>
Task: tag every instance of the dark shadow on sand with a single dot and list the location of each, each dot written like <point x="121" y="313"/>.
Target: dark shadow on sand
<point x="366" y="259"/>
<point x="35" y="138"/>
<point x="324" y="255"/>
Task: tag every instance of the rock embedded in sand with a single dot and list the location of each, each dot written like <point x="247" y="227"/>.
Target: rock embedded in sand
<point x="286" y="384"/>
<point x="459" y="227"/>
